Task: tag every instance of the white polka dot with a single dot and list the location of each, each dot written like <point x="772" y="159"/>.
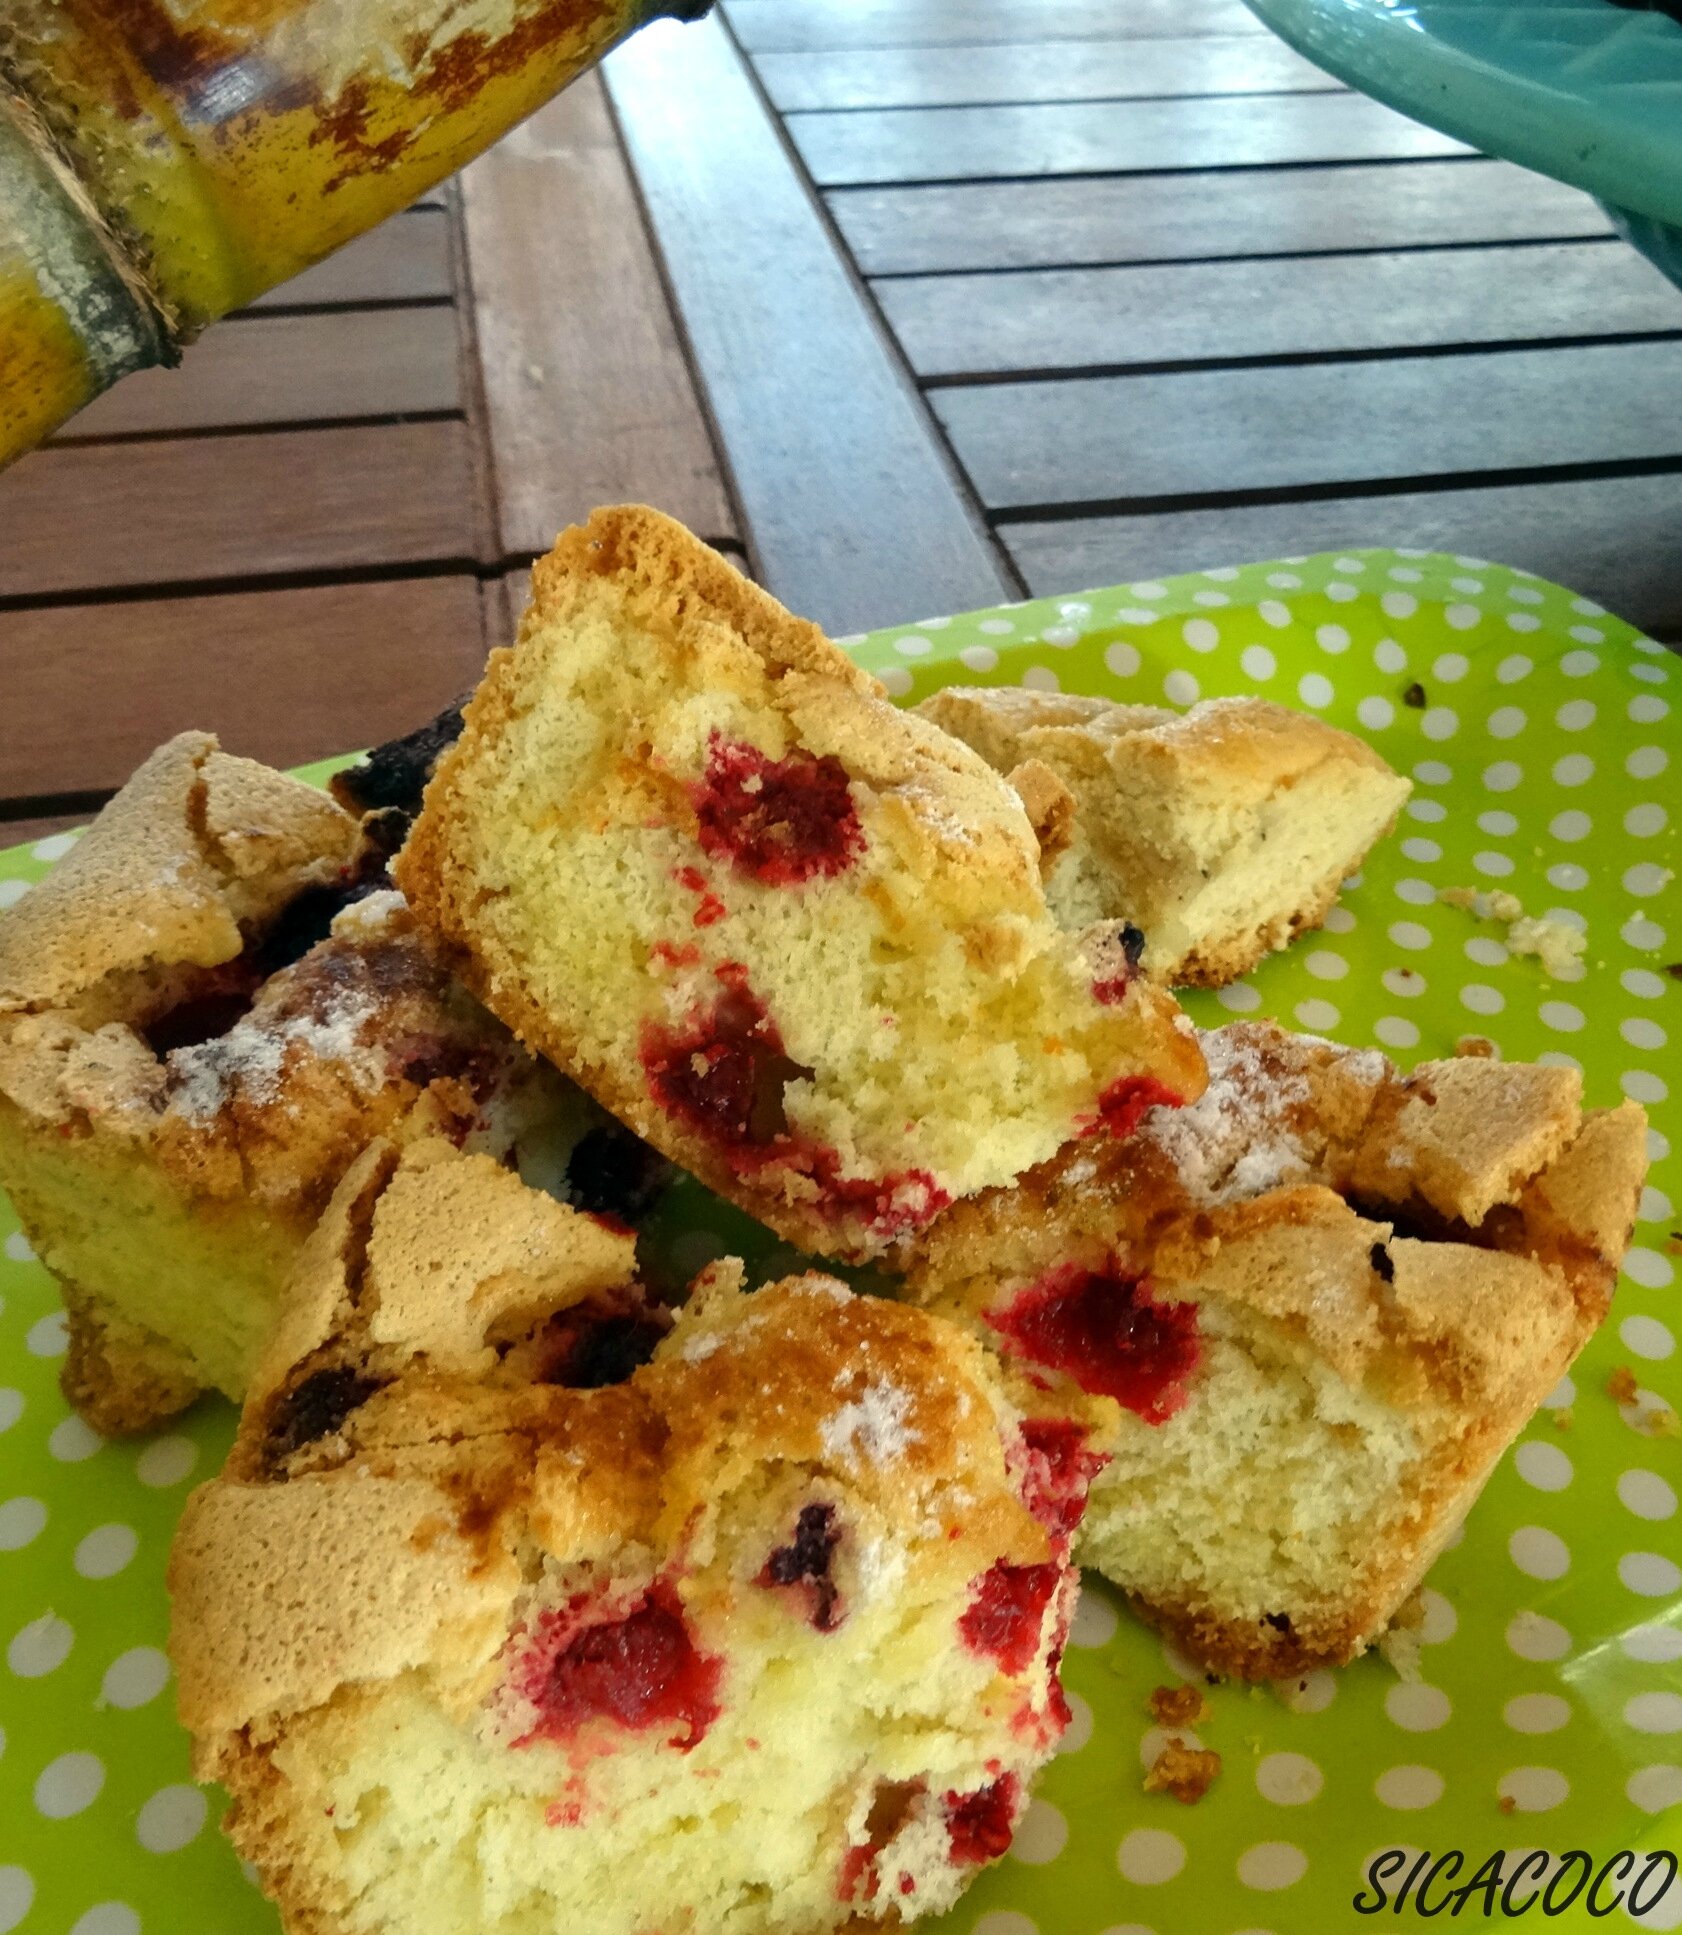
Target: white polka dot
<point x="1642" y="1085"/>
<point x="1522" y="595"/>
<point x="1149" y="1856"/>
<point x="1533" y="1636"/>
<point x="1398" y="604"/>
<point x="1396" y="1031"/>
<point x="1646" y="878"/>
<point x="1417" y="893"/>
<point x="1533" y="1790"/>
<point x="1354" y="566"/>
<point x="1214" y="599"/>
<point x="1405" y="981"/>
<point x="1309" y="1692"/>
<point x="71" y="1441"/>
<point x="1201" y="634"/>
<point x="1272" y="612"/>
<point x="1284" y="581"/>
<point x="1575" y="769"/>
<point x="1640" y="1032"/>
<point x="1258" y="662"/>
<point x="1506" y="722"/>
<point x="1471" y="586"/>
<point x="1646" y="762"/>
<point x="1482" y="999"/>
<point x="1575" y="715"/>
<point x="135" y="1677"/>
<point x="1647" y="709"/>
<point x="1271" y="1865"/>
<point x="1432" y="772"/>
<point x="17" y="1896"/>
<point x="1571" y="826"/>
<point x="1567" y="877"/>
<point x="1536" y="1713"/>
<point x="1041" y="678"/>
<point x="54" y="847"/>
<point x="1429" y="812"/>
<point x="1240" y="997"/>
<point x="1409" y="1787"/>
<point x="1095" y="1620"/>
<point x="1642" y="982"/>
<point x="1375" y="713"/>
<point x="47" y="1337"/>
<point x="1486" y="951"/>
<point x="1315" y="689"/>
<point x="1317" y="1016"/>
<point x="1406" y="575"/>
<point x="1041" y="1835"/>
<point x="1180" y="688"/>
<point x="981" y="658"/>
<point x="1440" y="722"/>
<point x="109" y="1918"/>
<point x="1639" y="931"/>
<point x="1539" y="1553"/>
<point x="1149" y="589"/>
<point x="1652" y="1645"/>
<point x="1646" y="1494"/>
<point x="996" y="627"/>
<point x="1543" y="1465"/>
<point x="1324" y="965"/>
<point x="1062" y="636"/>
<point x="11" y="892"/>
<point x="1654" y="1712"/>
<point x="1409" y="934"/>
<point x="1288" y="1780"/>
<point x="1502" y="777"/>
<point x="1643" y="821"/>
<point x="106" y="1550"/>
<point x="1514" y="668"/>
<point x="1331" y="638"/>
<point x="1653" y="1789"/>
<point x="1122" y="658"/>
<point x="1441" y="1619"/>
<point x="1079" y="1730"/>
<point x="1561" y="1015"/>
<point x="1655" y="1206"/>
<point x="18" y="1248"/>
<point x="1462" y="618"/>
<point x="1006" y="1921"/>
<point x="1339" y="920"/>
<point x="68" y="1785"/>
<point x="1523" y="621"/>
<point x="167" y="1461"/>
<point x="1650" y="1574"/>
<point x="22" y="1521"/>
<point x="40" y="1647"/>
<point x="896" y="681"/>
<point x="11" y="1407"/>
<point x="1388" y="656"/>
<point x="911" y="646"/>
<point x="1417" y="1708"/>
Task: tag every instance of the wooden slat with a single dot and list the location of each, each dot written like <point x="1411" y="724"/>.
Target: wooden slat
<point x="1204" y="312"/>
<point x="1065" y="70"/>
<point x="285" y="676"/>
<point x="1104" y="137"/>
<point x="588" y="396"/>
<point x="853" y="516"/>
<point x="1149" y="438"/>
<point x="1166" y="218"/>
<point x="1614" y="538"/>
<point x="22" y="833"/>
<point x="100" y="516"/>
<point x="810" y="26"/>
<point x="290" y="369"/>
<point x="406" y="259"/>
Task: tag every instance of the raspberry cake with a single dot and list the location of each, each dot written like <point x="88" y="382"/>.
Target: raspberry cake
<point x="206" y="1011"/>
<point x="793" y="937"/>
<point x="1319" y="1305"/>
<point x="495" y="1621"/>
<point x="1220" y="833"/>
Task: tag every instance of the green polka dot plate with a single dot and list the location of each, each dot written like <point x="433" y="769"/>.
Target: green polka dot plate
<point x="1541" y="737"/>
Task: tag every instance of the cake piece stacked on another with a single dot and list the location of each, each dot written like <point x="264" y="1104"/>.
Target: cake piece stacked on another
<point x="793" y="937"/>
<point x="1319" y="1304"/>
<point x="762" y="1637"/>
<point x="207" y="1011"/>
<point x="1220" y="833"/>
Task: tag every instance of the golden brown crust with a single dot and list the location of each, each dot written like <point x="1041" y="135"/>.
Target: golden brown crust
<point x="118" y="1377"/>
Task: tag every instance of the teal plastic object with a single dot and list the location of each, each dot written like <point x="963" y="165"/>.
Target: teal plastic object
<point x="1582" y="90"/>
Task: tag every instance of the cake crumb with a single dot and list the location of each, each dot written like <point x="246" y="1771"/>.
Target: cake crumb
<point x="1558" y="945"/>
<point x="1564" y="1418"/>
<point x="1621" y="1386"/>
<point x="1177" y="1706"/>
<point x="1185" y="1772"/>
<point x="1402" y="1648"/>
<point x="1673" y="1246"/>
<point x="1477" y="1048"/>
<point x="1508" y="1804"/>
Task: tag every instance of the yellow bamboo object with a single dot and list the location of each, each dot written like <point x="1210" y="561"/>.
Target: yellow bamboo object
<point x="163" y="162"/>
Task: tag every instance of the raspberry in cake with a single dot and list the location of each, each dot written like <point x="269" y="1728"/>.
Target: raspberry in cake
<point x="206" y="1012"/>
<point x="1317" y="1305"/>
<point x="761" y="1636"/>
<point x="1219" y="833"/>
<point x="794" y="938"/>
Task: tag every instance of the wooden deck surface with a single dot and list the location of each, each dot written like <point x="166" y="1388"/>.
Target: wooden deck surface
<point x="915" y="304"/>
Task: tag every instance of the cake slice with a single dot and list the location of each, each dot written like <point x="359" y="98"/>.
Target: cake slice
<point x="1318" y="1305"/>
<point x="207" y="1010"/>
<point x="1219" y="833"/>
<point x="794" y="938"/>
<point x="494" y="1622"/>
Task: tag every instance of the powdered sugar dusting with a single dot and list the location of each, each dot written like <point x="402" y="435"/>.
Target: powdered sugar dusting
<point x="871" y="1429"/>
<point x="1234" y="1142"/>
<point x="252" y="1055"/>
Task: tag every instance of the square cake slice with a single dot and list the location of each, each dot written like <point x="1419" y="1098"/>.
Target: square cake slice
<point x="522" y="1605"/>
<point x="1319" y="1304"/>
<point x="1220" y="833"/>
<point x="793" y="937"/>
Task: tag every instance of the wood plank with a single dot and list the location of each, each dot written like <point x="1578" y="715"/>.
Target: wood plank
<point x="853" y="516"/>
<point x="589" y="399"/>
<point x="1166" y="218"/>
<point x="405" y="259"/>
<point x="813" y="26"/>
<point x="1615" y="538"/>
<point x="290" y="369"/>
<point x="1059" y="70"/>
<point x="101" y="516"/>
<point x="1206" y="312"/>
<point x="1133" y="439"/>
<point x="23" y="833"/>
<point x="1104" y="137"/>
<point x="284" y="676"/>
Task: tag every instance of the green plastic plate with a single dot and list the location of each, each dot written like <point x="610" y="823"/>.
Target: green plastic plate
<point x="1544" y="746"/>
